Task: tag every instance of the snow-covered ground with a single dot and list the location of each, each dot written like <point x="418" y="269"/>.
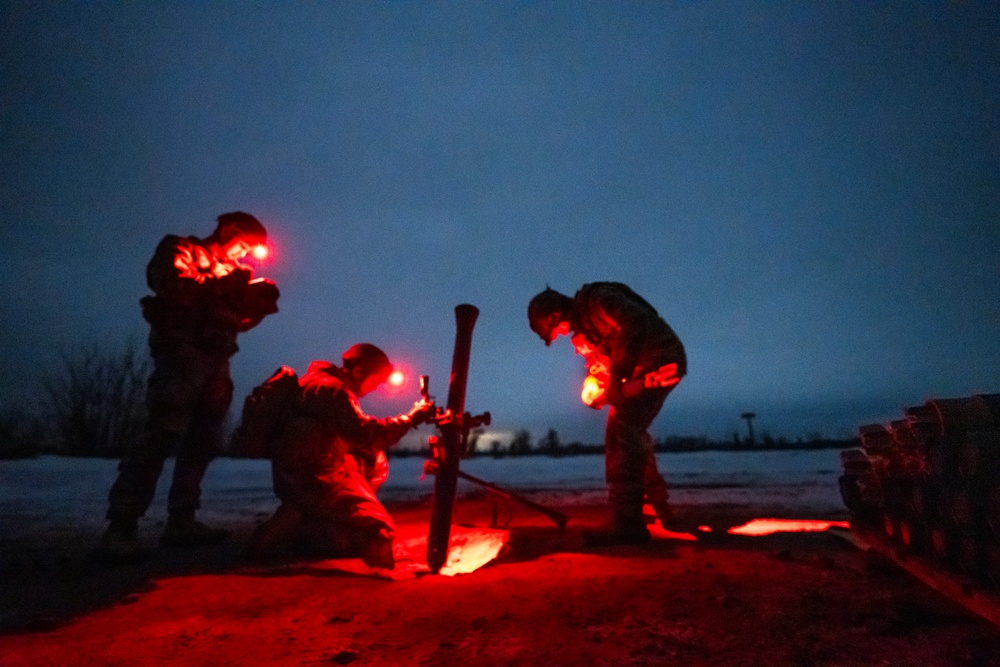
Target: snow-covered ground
<point x="68" y="496"/>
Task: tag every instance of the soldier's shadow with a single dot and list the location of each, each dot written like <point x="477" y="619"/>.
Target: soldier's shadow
<point x="45" y="584"/>
<point x="48" y="583"/>
<point x="530" y="543"/>
<point x="696" y="527"/>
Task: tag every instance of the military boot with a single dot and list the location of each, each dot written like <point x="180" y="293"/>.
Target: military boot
<point x="663" y="513"/>
<point x="657" y="496"/>
<point x="627" y="524"/>
<point x="376" y="550"/>
<point x="184" y="531"/>
<point x="282" y="527"/>
<point x="120" y="543"/>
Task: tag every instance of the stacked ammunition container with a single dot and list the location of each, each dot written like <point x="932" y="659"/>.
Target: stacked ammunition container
<point x="929" y="483"/>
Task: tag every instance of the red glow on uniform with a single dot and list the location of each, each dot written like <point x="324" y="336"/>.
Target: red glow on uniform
<point x="198" y="264"/>
<point x="769" y="526"/>
<point x="561" y="329"/>
<point x="259" y="251"/>
<point x="582" y="347"/>
<point x="664" y="376"/>
<point x="597" y="366"/>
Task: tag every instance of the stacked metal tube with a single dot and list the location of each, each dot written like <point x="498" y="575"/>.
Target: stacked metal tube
<point x="929" y="483"/>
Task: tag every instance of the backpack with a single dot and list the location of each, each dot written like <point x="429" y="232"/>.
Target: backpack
<point x="265" y="411"/>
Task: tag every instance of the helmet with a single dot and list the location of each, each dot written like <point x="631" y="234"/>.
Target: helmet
<point x="369" y="358"/>
<point x="238" y="223"/>
<point x="546" y="311"/>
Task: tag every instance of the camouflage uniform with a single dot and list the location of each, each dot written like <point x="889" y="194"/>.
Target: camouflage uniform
<point x="622" y="326"/>
<point x="327" y="462"/>
<point x="201" y="303"/>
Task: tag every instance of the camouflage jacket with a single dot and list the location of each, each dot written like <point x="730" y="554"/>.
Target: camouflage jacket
<point x="200" y="299"/>
<point x="326" y="425"/>
<point x="623" y="327"/>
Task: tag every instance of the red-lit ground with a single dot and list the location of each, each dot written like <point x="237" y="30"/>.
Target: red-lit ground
<point x="804" y="598"/>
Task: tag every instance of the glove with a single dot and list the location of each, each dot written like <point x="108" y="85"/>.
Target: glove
<point x="261" y="297"/>
<point x="235" y="281"/>
<point x="422" y="412"/>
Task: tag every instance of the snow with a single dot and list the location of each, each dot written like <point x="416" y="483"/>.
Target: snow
<point x="69" y="495"/>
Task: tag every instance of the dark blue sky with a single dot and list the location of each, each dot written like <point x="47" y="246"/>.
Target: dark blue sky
<point x="808" y="192"/>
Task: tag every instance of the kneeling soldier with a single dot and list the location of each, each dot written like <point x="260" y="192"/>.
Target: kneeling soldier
<point x="328" y="460"/>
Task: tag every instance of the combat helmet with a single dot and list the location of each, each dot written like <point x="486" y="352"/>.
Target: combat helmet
<point x="369" y="358"/>
<point x="546" y="310"/>
<point x="245" y="226"/>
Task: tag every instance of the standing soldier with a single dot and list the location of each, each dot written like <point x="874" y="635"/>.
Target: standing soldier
<point x="634" y="359"/>
<point x="203" y="298"/>
<point x="327" y="458"/>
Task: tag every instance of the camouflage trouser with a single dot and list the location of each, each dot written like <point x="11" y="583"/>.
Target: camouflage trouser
<point x="188" y="396"/>
<point x="630" y="463"/>
<point x="347" y="516"/>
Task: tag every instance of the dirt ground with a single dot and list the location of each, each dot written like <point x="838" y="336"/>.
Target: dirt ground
<point x="782" y="599"/>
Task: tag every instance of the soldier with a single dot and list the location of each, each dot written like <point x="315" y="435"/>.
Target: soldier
<point x="623" y="339"/>
<point x="327" y="461"/>
<point x="203" y="298"/>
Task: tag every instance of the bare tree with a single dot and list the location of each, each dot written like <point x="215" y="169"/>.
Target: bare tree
<point x="749" y="417"/>
<point x="472" y="446"/>
<point x="96" y="405"/>
<point x="550" y="443"/>
<point x="521" y="444"/>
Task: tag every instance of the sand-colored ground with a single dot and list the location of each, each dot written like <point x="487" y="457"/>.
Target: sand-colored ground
<point x="782" y="599"/>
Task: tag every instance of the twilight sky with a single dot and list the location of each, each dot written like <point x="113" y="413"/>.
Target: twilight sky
<point x="809" y="193"/>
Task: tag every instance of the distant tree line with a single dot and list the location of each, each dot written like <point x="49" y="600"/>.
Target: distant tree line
<point x="550" y="445"/>
<point x="765" y="443"/>
<point x="94" y="405"/>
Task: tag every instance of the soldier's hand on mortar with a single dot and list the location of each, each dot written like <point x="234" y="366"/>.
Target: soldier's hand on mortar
<point x="423" y="411"/>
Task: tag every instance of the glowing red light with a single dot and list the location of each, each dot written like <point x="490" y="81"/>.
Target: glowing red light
<point x="769" y="526"/>
<point x="396" y="378"/>
<point x="663" y="534"/>
<point x="470" y="549"/>
<point x="260" y="251"/>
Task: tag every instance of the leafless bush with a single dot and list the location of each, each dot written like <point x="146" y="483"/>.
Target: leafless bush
<point x="96" y="405"/>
